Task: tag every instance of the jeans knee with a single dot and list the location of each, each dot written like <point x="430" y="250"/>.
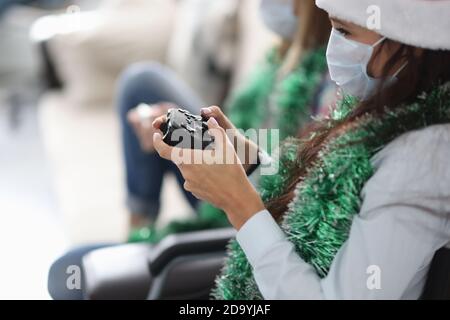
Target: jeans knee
<point x="131" y="83"/>
<point x="139" y="79"/>
<point x="140" y="72"/>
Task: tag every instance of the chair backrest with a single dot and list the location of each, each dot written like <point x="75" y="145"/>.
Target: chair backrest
<point x="188" y="277"/>
<point x="184" y="266"/>
<point x="437" y="286"/>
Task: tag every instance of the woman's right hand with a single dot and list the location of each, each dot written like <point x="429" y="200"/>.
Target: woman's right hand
<point x="216" y="113"/>
<point x="246" y="149"/>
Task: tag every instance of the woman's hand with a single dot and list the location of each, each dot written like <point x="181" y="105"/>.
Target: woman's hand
<point x="216" y="113"/>
<point x="216" y="176"/>
<point x="142" y="123"/>
<point x="246" y="149"/>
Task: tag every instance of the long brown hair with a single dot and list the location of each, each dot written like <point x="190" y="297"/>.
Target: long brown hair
<point x="313" y="31"/>
<point x="422" y="72"/>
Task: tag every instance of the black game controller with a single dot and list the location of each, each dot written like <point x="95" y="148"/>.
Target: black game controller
<point x="185" y="130"/>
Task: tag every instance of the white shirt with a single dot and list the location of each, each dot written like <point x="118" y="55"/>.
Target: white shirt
<point x="404" y="219"/>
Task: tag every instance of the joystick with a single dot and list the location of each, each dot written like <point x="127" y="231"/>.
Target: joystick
<point x="185" y="130"/>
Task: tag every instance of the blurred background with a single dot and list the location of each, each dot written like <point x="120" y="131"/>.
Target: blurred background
<point x="61" y="171"/>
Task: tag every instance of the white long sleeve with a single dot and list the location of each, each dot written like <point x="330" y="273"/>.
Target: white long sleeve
<point x="404" y="219"/>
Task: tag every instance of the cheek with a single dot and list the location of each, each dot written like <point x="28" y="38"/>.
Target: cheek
<point x="376" y="63"/>
<point x="381" y="57"/>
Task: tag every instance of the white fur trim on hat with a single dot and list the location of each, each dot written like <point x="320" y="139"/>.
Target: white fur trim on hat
<point x="420" y="23"/>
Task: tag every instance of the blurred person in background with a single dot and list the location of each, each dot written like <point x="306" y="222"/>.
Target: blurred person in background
<point x="284" y="92"/>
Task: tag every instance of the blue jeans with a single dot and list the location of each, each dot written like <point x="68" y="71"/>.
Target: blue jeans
<point x="150" y="83"/>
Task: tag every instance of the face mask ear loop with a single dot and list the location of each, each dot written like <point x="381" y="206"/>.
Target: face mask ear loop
<point x="400" y="69"/>
<point x="378" y="42"/>
<point x="374" y="46"/>
<point x="403" y="65"/>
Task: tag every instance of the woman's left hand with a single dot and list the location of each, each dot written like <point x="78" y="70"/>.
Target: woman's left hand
<point x="216" y="176"/>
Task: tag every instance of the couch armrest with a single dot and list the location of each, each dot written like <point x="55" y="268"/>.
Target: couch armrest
<point x="119" y="272"/>
<point x="437" y="286"/>
<point x="129" y="271"/>
<point x="189" y="243"/>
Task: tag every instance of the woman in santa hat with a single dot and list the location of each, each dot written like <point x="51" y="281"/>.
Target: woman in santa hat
<point x="360" y="205"/>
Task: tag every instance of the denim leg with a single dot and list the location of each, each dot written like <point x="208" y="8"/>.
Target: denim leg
<point x="149" y="83"/>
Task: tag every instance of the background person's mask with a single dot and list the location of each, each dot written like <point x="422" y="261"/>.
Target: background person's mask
<point x="279" y="17"/>
<point x="347" y="63"/>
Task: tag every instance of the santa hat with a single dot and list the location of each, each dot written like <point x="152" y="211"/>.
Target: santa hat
<point x="420" y="23"/>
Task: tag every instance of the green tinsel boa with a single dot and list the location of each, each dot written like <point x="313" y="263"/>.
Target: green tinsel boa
<point x="248" y="108"/>
<point x="320" y="215"/>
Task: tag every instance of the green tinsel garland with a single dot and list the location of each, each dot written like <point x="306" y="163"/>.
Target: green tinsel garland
<point x="293" y="95"/>
<point x="320" y="215"/>
<point x="248" y="109"/>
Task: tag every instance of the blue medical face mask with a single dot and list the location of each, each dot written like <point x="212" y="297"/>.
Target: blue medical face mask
<point x="278" y="16"/>
<point x="347" y="63"/>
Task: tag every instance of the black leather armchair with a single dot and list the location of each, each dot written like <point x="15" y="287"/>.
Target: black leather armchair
<point x="438" y="282"/>
<point x="181" y="266"/>
<point x="184" y="266"/>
